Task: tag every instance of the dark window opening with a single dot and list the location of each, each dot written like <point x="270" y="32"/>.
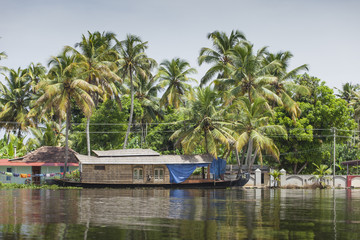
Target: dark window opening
<point x="99" y="167"/>
<point x="262" y="178"/>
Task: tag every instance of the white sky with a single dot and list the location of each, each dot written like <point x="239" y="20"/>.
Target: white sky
<point x="322" y="33"/>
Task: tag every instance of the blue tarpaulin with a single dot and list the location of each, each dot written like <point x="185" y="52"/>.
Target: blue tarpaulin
<point x="181" y="172"/>
<point x="218" y="167"/>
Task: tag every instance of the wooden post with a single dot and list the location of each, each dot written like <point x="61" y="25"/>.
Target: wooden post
<point x="208" y="172"/>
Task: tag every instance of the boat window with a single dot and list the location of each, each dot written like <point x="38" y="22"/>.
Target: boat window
<point x="99" y="167"/>
<point x="138" y="174"/>
<point x="159" y="174"/>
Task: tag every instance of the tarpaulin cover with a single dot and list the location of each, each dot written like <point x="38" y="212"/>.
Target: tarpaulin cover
<point x="181" y="172"/>
<point x="218" y="167"/>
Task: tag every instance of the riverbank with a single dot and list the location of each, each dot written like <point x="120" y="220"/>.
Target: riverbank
<point x="33" y="186"/>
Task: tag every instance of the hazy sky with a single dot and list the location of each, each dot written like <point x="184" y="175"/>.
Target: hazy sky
<point x="322" y="33"/>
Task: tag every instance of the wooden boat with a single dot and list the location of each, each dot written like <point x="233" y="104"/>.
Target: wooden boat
<point x="127" y="168"/>
<point x="241" y="181"/>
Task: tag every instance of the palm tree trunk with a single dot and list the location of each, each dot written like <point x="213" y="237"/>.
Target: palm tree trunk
<point x="131" y="109"/>
<point x="253" y="159"/>
<point x="88" y="135"/>
<point x="238" y="161"/>
<point x="242" y="158"/>
<point x="66" y="140"/>
<point x="249" y="151"/>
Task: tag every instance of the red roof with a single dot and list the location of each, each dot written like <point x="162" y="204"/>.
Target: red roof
<point x="6" y="162"/>
<point x="44" y="156"/>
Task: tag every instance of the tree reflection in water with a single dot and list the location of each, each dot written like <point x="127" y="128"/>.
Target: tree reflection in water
<point x="179" y="214"/>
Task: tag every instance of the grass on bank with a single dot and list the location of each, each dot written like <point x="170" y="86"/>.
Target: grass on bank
<point x="33" y="186"/>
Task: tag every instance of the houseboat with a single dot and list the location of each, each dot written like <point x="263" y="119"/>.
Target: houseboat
<point x="147" y="168"/>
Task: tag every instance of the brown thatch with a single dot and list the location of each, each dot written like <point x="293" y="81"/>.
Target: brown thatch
<point x="48" y="154"/>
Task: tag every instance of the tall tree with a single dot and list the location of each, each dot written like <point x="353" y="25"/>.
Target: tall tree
<point x="249" y="76"/>
<point x="133" y="60"/>
<point x="253" y="129"/>
<point x="347" y="91"/>
<point x="283" y="86"/>
<point x="146" y="88"/>
<point x="15" y="100"/>
<point x="173" y="76"/>
<point x="61" y="88"/>
<point x="205" y="126"/>
<point x="96" y="62"/>
<point x="220" y="55"/>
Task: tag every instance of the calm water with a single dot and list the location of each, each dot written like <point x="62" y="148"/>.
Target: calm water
<point x="179" y="214"/>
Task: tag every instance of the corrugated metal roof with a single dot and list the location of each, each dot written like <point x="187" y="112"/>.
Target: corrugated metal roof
<point x="165" y="159"/>
<point x="126" y="153"/>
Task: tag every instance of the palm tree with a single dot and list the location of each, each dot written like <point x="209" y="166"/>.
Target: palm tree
<point x="35" y="72"/>
<point x="347" y="91"/>
<point x="253" y="129"/>
<point x="15" y="100"/>
<point x="283" y="87"/>
<point x="146" y="89"/>
<point x="49" y="135"/>
<point x="220" y="56"/>
<point x="249" y="76"/>
<point x="174" y="76"/>
<point x="61" y="88"/>
<point x="206" y="126"/>
<point x="321" y="172"/>
<point x="96" y="62"/>
<point x="133" y="60"/>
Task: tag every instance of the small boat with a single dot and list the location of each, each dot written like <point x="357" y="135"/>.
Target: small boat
<point x="130" y="168"/>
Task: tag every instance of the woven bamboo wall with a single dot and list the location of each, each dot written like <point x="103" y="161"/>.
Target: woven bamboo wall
<point x="121" y="174"/>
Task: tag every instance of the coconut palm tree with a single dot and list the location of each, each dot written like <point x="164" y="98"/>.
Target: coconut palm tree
<point x="49" y="135"/>
<point x="220" y="55"/>
<point x="206" y="126"/>
<point x="173" y="76"/>
<point x="96" y="62"/>
<point x="61" y="88"/>
<point x="253" y="129"/>
<point x="347" y="91"/>
<point x="283" y="86"/>
<point x="322" y="173"/>
<point x="132" y="61"/>
<point x="146" y="89"/>
<point x="249" y="76"/>
<point x="15" y="100"/>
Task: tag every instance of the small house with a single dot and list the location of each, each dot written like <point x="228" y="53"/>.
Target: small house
<point x="46" y="161"/>
<point x="140" y="166"/>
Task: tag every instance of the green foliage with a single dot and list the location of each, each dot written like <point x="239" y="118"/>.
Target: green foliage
<point x="310" y="136"/>
<point x="105" y="136"/>
<point x="322" y="173"/>
<point x="158" y="137"/>
<point x="8" y="144"/>
<point x="73" y="176"/>
<point x="276" y="175"/>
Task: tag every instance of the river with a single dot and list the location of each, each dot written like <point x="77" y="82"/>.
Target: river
<point x="180" y="214"/>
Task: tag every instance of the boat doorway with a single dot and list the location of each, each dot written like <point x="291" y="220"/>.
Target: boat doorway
<point x="36" y="170"/>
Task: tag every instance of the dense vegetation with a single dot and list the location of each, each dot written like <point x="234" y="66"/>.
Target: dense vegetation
<point x="248" y="108"/>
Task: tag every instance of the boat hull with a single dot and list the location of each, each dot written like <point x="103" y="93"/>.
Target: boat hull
<point x="241" y="181"/>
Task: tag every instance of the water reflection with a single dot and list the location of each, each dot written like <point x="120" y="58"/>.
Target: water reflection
<point x="179" y="214"/>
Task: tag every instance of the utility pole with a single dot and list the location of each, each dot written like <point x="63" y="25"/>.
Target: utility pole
<point x="334" y="156"/>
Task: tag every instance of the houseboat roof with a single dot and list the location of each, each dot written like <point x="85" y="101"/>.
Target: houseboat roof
<point x="136" y="159"/>
<point x="126" y="153"/>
